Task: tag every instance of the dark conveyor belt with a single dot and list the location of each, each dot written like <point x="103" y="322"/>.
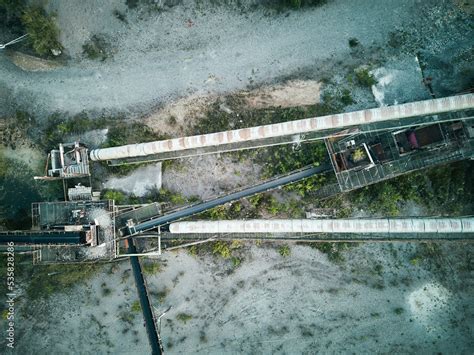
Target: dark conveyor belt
<point x="150" y="323"/>
<point x="42" y="237"/>
<point x="201" y="207"/>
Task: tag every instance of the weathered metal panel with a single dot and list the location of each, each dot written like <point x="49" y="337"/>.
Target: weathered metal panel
<point x="422" y="108"/>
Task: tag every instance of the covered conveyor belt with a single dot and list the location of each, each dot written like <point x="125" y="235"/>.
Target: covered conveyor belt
<point x="201" y="207"/>
<point x="329" y="226"/>
<point x="290" y="128"/>
<point x="42" y="237"/>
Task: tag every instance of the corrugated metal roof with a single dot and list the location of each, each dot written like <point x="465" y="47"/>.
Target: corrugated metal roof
<point x="421" y="108"/>
<point x="384" y="225"/>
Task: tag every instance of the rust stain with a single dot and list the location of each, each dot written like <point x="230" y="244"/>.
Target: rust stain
<point x="244" y="133"/>
<point x="368" y="115"/>
<point x="220" y="137"/>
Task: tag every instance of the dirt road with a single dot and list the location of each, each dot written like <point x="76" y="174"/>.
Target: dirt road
<point x="155" y="56"/>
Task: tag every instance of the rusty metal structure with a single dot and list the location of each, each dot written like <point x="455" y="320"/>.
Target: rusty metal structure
<point x="364" y="158"/>
<point x="71" y="160"/>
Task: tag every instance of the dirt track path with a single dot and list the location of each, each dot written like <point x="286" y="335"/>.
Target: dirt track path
<point x="164" y="55"/>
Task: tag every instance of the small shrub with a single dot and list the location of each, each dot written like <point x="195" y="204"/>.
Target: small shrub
<point x="136" y="307"/>
<point x="120" y="16"/>
<point x="236" y="261"/>
<point x="284" y="251"/>
<point x="116" y="195"/>
<point x="399" y="310"/>
<point x="295" y="3"/>
<point x="353" y="42"/>
<point x="346" y="97"/>
<point x="151" y="268"/>
<point x="219" y="212"/>
<point x="221" y="248"/>
<point x="43" y="32"/>
<point x="184" y="317"/>
<point x="95" y="48"/>
<point x="364" y="78"/>
<point x="177" y="199"/>
<point x="172" y="121"/>
<point x="162" y="295"/>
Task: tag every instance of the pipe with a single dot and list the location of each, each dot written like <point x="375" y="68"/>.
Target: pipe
<point x="364" y="225"/>
<point x="421" y="108"/>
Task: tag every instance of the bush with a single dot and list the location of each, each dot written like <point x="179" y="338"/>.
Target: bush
<point x="43" y="32"/>
<point x="11" y="10"/>
<point x="296" y="4"/>
<point x="353" y="42"/>
<point x="184" y="317"/>
<point x="346" y="97"/>
<point x="136" y="307"/>
<point x="221" y="248"/>
<point x="332" y="250"/>
<point x="236" y="261"/>
<point x="95" y="48"/>
<point x="49" y="279"/>
<point x="284" y="251"/>
<point x="151" y="268"/>
<point x="364" y="78"/>
<point x="399" y="310"/>
<point x="116" y="195"/>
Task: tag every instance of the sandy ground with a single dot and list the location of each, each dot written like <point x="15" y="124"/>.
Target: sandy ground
<point x="293" y="93"/>
<point x="159" y="56"/>
<point x="306" y="304"/>
<point x="209" y="175"/>
<point x="176" y="117"/>
<point x="303" y="303"/>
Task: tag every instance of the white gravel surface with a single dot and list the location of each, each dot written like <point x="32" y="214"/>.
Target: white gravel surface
<point x="303" y="303"/>
<point x="139" y="182"/>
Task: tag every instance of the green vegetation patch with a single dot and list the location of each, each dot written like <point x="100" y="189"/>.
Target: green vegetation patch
<point x="184" y="317"/>
<point x="334" y="251"/>
<point x="282" y="5"/>
<point x="151" y="268"/>
<point x="96" y="48"/>
<point x="364" y="77"/>
<point x="50" y="279"/>
<point x="446" y="191"/>
<point x="20" y="190"/>
<point x="284" y="251"/>
<point x="136" y="307"/>
<point x="42" y="30"/>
